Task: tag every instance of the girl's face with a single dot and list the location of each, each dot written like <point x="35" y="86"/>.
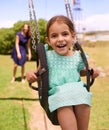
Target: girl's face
<point x="60" y="38"/>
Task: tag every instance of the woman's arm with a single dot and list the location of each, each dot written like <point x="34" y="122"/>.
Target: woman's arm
<point x="17" y="47"/>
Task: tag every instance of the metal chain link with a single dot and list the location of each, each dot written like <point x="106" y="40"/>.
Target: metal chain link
<point x="69" y="14"/>
<point x="68" y="10"/>
<point x="33" y="23"/>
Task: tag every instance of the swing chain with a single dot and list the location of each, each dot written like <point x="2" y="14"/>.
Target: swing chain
<point x="69" y="14"/>
<point x="33" y="25"/>
<point x="68" y="10"/>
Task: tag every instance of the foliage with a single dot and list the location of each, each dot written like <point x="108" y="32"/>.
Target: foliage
<point x="7" y="35"/>
<point x="17" y="26"/>
<point x="42" y="29"/>
<point x="41" y="26"/>
<point x="6" y="40"/>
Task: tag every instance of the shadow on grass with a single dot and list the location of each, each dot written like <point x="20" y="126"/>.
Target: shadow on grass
<point x="19" y="99"/>
<point x="23" y="107"/>
<point x="18" y="79"/>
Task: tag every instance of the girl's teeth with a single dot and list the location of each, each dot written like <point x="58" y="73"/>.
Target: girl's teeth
<point x="60" y="46"/>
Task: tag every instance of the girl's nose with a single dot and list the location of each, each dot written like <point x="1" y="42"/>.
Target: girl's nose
<point x="60" y="38"/>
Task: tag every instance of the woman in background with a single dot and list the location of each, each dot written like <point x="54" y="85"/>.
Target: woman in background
<point x="19" y="51"/>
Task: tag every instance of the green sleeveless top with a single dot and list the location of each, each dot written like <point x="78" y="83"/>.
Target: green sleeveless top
<point x="65" y="85"/>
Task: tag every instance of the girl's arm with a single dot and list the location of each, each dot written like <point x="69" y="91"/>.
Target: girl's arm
<point x="17" y="47"/>
<point x="31" y="76"/>
<point x="83" y="72"/>
<point x="29" y="49"/>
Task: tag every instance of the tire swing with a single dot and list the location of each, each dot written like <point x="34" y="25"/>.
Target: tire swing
<point x="43" y="83"/>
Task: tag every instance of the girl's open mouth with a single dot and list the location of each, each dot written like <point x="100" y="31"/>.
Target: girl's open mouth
<point x="61" y="46"/>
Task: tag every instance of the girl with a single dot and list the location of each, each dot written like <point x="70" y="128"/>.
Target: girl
<point x="19" y="51"/>
<point x="67" y="93"/>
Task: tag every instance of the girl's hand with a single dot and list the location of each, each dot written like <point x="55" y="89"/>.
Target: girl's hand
<point x="31" y="77"/>
<point x="96" y="73"/>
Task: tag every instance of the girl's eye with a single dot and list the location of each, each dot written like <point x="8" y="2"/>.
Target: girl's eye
<point x="65" y="34"/>
<point x="53" y="36"/>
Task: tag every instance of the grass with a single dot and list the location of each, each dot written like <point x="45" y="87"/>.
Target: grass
<point x="16" y="98"/>
<point x="99" y="119"/>
<point x="99" y="54"/>
<point x="100" y="107"/>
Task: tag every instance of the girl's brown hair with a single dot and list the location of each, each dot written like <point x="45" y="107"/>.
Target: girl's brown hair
<point x="60" y="19"/>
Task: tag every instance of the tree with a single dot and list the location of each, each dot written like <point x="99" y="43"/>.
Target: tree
<point x="6" y="40"/>
<point x="42" y="29"/>
<point x="18" y="25"/>
<point x="7" y="35"/>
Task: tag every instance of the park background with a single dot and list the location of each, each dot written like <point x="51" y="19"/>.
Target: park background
<point x="19" y="105"/>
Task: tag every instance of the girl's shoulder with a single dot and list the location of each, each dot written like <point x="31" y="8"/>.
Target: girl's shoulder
<point x="78" y="57"/>
<point x="46" y="47"/>
<point x="50" y="54"/>
<point x="77" y="54"/>
<point x="48" y="51"/>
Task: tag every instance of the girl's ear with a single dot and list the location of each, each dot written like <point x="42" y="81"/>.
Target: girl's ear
<point x="73" y="35"/>
<point x="47" y="40"/>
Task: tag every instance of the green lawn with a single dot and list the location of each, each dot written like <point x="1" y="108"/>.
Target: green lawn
<point x="16" y="98"/>
<point x="100" y="103"/>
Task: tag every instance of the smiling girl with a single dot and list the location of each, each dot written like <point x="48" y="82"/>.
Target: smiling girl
<point x="67" y="92"/>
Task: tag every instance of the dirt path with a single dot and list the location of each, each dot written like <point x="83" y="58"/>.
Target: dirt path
<point x="38" y="119"/>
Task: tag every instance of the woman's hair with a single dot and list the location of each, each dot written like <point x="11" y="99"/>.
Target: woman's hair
<point x="60" y="19"/>
<point x="29" y="32"/>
